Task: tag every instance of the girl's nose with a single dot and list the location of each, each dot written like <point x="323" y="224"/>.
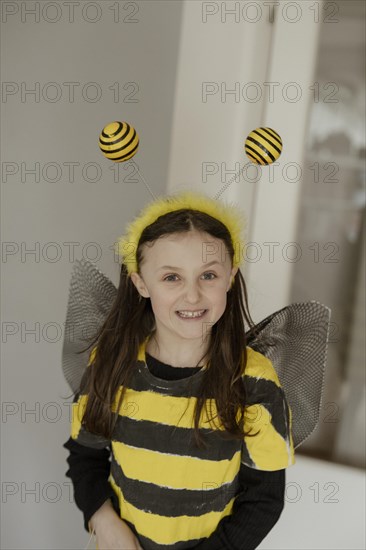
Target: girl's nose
<point x="192" y="292"/>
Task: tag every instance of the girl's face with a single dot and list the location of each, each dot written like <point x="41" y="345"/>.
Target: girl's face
<point x="185" y="272"/>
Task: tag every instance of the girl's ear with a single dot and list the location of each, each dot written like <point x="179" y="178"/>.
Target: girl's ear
<point x="139" y="284"/>
<point x="232" y="276"/>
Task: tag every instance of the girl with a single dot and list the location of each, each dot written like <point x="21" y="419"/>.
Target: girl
<point x="181" y="432"/>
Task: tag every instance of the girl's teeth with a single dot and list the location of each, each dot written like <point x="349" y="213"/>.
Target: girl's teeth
<point x="189" y="315"/>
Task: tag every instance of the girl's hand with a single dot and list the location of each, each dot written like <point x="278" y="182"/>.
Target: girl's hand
<point x="112" y="533"/>
<point x="116" y="535"/>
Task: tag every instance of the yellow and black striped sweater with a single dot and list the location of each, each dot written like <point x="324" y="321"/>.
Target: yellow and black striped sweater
<point x="172" y="494"/>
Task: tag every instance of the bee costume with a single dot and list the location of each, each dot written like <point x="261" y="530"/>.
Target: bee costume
<point x="170" y="494"/>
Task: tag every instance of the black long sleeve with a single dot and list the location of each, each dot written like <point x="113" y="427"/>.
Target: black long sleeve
<point x="256" y="510"/>
<point x="89" y="471"/>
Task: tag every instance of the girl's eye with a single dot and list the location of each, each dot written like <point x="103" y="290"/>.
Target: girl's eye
<point x="166" y="278"/>
<point x="210" y="273"/>
<point x="174" y="275"/>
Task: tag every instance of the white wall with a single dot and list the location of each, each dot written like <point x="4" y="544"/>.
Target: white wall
<point x="275" y="212"/>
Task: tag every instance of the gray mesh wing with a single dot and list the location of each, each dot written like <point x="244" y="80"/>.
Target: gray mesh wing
<point x="295" y="339"/>
<point x="91" y="295"/>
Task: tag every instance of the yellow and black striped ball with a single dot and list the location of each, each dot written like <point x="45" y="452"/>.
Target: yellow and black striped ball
<point x="118" y="141"/>
<point x="263" y="146"/>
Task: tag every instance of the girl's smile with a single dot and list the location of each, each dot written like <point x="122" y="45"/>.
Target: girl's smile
<point x="192" y="316"/>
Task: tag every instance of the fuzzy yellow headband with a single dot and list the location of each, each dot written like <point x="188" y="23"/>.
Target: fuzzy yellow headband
<point x="230" y="215"/>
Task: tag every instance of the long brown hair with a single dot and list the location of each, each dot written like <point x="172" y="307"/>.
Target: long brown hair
<point x="131" y="321"/>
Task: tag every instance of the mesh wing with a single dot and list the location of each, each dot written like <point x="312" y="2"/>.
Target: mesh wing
<point x="294" y="338"/>
<point x="91" y="296"/>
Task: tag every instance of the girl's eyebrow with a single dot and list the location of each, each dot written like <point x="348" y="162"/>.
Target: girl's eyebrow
<point x="180" y="269"/>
